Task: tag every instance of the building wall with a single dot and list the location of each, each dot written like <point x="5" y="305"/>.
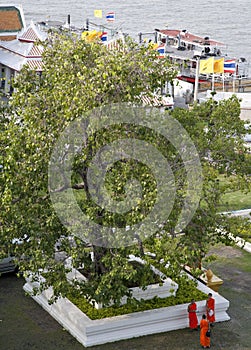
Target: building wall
<point x="6" y="74"/>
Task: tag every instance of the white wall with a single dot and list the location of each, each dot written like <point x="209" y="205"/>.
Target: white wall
<point x="93" y="332"/>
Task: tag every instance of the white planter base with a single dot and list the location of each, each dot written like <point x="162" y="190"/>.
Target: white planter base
<point x="166" y="289"/>
<point x="93" y="332"/>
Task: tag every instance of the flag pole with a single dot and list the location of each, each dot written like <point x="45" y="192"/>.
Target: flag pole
<point x="196" y="83"/>
<point x="213" y="82"/>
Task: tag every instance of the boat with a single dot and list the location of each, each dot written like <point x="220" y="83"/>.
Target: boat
<point x="186" y="50"/>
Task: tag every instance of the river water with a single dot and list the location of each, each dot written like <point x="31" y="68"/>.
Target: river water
<point x="226" y="20"/>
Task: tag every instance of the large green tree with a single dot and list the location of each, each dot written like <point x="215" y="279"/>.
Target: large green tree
<point x="78" y="77"/>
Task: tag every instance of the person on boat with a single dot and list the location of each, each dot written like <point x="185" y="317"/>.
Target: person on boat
<point x="210" y="309"/>
<point x="204" y="328"/>
<point x="193" y="320"/>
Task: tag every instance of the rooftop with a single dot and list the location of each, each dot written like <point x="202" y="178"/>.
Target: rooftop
<point x="11" y="21"/>
<point x="190" y="38"/>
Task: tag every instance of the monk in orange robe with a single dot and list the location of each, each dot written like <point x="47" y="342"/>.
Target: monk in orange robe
<point x="210" y="308"/>
<point x="193" y="320"/>
<point x="204" y="327"/>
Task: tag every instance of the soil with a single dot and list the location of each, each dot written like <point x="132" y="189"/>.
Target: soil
<point x="24" y="325"/>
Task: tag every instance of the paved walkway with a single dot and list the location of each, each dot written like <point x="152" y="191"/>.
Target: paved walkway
<point x="25" y="325"/>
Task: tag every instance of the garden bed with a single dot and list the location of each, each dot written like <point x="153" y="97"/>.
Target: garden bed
<point x="161" y="286"/>
<point x="93" y="332"/>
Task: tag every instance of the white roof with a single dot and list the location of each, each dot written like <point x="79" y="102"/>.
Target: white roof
<point x="15" y="53"/>
<point x="16" y="62"/>
<point x="11" y="59"/>
<point x="22" y="48"/>
<point x="16" y="46"/>
<point x="32" y="33"/>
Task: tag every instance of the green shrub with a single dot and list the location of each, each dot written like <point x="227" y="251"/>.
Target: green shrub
<point x="187" y="290"/>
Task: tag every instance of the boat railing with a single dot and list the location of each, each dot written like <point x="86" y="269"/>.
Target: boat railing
<point x="189" y="71"/>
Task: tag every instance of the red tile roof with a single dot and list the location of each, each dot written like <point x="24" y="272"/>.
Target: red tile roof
<point x="11" y="21"/>
<point x="36" y="51"/>
<point x="30" y="34"/>
<point x="36" y="65"/>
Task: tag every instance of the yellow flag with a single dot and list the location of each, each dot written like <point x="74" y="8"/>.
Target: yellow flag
<point x="98" y="13"/>
<point x="153" y="46"/>
<point x="219" y="65"/>
<point x="90" y="36"/>
<point x="207" y="66"/>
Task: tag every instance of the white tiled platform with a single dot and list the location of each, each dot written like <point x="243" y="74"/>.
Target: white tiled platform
<point x="93" y="332"/>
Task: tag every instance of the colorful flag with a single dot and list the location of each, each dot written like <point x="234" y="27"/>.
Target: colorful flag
<point x="229" y="66"/>
<point x="219" y="65"/>
<point x="153" y="46"/>
<point x="98" y="13"/>
<point x="90" y="36"/>
<point x="207" y="66"/>
<point x="161" y="51"/>
<point x="104" y="36"/>
<point x="110" y="17"/>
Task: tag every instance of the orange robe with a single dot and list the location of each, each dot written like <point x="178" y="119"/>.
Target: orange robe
<point x="193" y="320"/>
<point x="204" y="340"/>
<point x="211" y="306"/>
